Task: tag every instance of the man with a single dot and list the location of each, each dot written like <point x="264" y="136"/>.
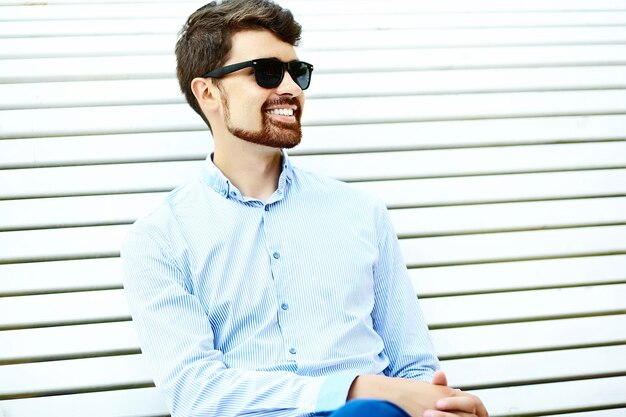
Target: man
<point x="261" y="289"/>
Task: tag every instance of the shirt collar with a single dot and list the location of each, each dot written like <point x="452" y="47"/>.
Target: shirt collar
<point x="222" y="185"/>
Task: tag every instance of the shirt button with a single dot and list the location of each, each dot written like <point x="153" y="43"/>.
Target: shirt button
<point x="284" y="306"/>
<point x="292" y="351"/>
<point x="267" y="208"/>
<point x="233" y="194"/>
<point x="276" y="255"/>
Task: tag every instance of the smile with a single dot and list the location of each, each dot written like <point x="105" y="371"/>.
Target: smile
<point x="281" y="112"/>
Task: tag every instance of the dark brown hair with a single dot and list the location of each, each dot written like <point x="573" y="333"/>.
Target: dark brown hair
<point x="205" y="40"/>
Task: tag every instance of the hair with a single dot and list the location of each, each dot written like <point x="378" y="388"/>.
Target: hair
<point x="205" y="40"/>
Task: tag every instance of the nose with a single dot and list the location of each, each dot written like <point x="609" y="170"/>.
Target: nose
<point x="288" y="86"/>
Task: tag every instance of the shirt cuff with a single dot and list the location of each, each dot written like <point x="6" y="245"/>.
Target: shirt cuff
<point x="333" y="392"/>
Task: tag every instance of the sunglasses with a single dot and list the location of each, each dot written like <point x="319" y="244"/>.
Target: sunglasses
<point x="269" y="72"/>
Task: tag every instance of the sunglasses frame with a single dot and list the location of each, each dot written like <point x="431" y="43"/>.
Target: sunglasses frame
<point x="286" y="66"/>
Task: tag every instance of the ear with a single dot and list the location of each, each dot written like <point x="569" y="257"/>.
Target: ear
<point x="206" y="93"/>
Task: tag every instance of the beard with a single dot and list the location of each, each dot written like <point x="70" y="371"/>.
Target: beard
<point x="273" y="133"/>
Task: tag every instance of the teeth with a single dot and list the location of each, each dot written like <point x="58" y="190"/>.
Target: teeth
<point x="281" y="112"/>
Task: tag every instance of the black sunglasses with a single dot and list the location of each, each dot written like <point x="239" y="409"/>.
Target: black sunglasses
<point x="269" y="72"/>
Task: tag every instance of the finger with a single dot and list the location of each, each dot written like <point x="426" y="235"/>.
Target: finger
<point x="439" y="378"/>
<point x="439" y="413"/>
<point x="464" y="403"/>
<point x="480" y="409"/>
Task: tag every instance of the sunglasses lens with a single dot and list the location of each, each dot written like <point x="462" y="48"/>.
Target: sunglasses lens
<point x="301" y="74"/>
<point x="268" y="73"/>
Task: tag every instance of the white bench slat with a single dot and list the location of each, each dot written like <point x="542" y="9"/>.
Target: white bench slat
<point x="481" y="189"/>
<point x="158" y="176"/>
<point x="52" y="244"/>
<point x="155" y="146"/>
<point x="162" y="91"/>
<point x="110" y="305"/>
<point x="137" y="402"/>
<point x="169" y="117"/>
<point x="571" y="395"/>
<point x="535" y="367"/>
<point x="63" y="309"/>
<point x="126" y="208"/>
<point x="98" y="274"/>
<point x="508" y="216"/>
<point x="131" y="370"/>
<point x="74" y="375"/>
<point x="358" y="21"/>
<point x="105" y="241"/>
<point x="53" y="343"/>
<point x="614" y="412"/>
<point x="59" y="276"/>
<point x="143" y="402"/>
<point x="524" y="305"/>
<point x="163" y="66"/>
<point x="48" y="47"/>
<point x="183" y="9"/>
<point x="74" y="341"/>
<point x="395" y="193"/>
<point x="528" y="336"/>
<point x="545" y="273"/>
<point x="508" y="246"/>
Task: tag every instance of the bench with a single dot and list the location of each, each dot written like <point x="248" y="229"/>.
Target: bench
<point x="495" y="132"/>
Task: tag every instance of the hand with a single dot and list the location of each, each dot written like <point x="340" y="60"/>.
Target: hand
<point x="415" y="397"/>
<point x="460" y="405"/>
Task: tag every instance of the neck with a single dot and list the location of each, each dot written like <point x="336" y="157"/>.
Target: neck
<point x="253" y="169"/>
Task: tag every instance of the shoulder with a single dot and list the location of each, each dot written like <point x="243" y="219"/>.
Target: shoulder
<point x="163" y="217"/>
<point x="337" y="190"/>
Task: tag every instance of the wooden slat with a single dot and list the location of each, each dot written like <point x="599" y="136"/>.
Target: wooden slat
<point x="524" y="305"/>
<point x="63" y="309"/>
<point x="614" y="412"/>
<point x="110" y="305"/>
<point x="159" y="176"/>
<point x="509" y="246"/>
<point x="168" y="117"/>
<point x="163" y="66"/>
<point x="60" y="276"/>
<point x="511" y="401"/>
<point x="507" y="276"/>
<point x="536" y="367"/>
<point x="48" y="47"/>
<point x="74" y="375"/>
<point x="530" y="336"/>
<point x="554" y="397"/>
<point x="97" y="274"/>
<point x="53" y="343"/>
<point x="52" y="244"/>
<point x="183" y="9"/>
<point x="85" y="340"/>
<point x="468" y="190"/>
<point x="507" y="217"/>
<point x="130" y="370"/>
<point x="138" y="402"/>
<point x="163" y="91"/>
<point x="164" y="146"/>
<point x="129" y="26"/>
<point x="105" y="241"/>
<point x="126" y="208"/>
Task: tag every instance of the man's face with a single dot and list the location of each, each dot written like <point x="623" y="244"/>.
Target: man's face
<point x="253" y="113"/>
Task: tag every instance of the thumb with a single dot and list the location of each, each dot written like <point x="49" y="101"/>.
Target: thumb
<point x="439" y="378"/>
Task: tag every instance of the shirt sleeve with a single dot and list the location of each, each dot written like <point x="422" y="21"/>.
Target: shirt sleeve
<point x="177" y="341"/>
<point x="397" y="316"/>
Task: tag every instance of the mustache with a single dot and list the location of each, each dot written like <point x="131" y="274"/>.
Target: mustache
<point x="282" y="101"/>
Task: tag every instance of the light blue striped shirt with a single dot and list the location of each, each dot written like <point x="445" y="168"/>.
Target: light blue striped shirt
<point x="271" y="309"/>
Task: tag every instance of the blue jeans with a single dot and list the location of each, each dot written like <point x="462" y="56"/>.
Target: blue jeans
<point x="369" y="408"/>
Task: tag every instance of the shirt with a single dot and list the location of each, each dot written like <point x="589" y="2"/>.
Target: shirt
<point x="253" y="308"/>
